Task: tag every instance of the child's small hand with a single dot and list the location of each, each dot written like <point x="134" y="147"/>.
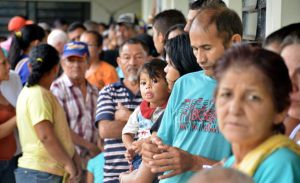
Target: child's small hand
<point x="137" y="146"/>
<point x="129" y="154"/>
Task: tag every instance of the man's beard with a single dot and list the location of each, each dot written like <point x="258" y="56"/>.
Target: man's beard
<point x="132" y="75"/>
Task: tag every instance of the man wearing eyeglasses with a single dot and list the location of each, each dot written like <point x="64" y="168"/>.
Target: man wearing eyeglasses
<point x="100" y="73"/>
<point x="75" y="30"/>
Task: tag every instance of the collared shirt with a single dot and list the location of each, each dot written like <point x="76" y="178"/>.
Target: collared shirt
<point x="80" y="111"/>
<point x="114" y="149"/>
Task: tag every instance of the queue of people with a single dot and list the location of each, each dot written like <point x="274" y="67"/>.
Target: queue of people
<point x="192" y="104"/>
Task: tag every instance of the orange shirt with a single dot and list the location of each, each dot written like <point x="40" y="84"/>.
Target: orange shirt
<point x="102" y="74"/>
<point x="8" y="143"/>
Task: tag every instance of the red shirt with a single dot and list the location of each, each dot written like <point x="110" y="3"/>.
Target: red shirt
<point x="8" y="143"/>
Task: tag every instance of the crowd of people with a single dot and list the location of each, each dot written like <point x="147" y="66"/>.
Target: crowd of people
<point x="87" y="102"/>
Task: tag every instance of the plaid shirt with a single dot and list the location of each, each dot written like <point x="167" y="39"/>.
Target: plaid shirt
<point x="80" y="112"/>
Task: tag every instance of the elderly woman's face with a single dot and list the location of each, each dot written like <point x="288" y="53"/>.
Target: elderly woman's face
<point x="245" y="108"/>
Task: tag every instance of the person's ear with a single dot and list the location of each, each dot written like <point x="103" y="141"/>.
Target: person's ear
<point x="29" y="67"/>
<point x="161" y="38"/>
<point x="119" y="61"/>
<point x="63" y="62"/>
<point x="279" y="117"/>
<point x="236" y="38"/>
<point x="35" y="43"/>
<point x="55" y="70"/>
<point x="169" y="89"/>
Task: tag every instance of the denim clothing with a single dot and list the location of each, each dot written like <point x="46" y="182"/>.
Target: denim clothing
<point x="25" y="175"/>
<point x="7" y="168"/>
<point x="136" y="162"/>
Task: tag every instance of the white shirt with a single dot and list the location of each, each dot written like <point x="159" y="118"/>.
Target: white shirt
<point x="11" y="88"/>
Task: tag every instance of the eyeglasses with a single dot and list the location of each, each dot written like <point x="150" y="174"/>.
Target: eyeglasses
<point x="76" y="59"/>
<point x="93" y="45"/>
<point x="125" y="58"/>
<point x="76" y="38"/>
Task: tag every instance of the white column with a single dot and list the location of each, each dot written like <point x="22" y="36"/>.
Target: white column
<point x="235" y="5"/>
<point x="146" y="9"/>
<point x="182" y="5"/>
<point x="166" y="4"/>
<point x="273" y="15"/>
<point x="290" y="12"/>
<point x="280" y="13"/>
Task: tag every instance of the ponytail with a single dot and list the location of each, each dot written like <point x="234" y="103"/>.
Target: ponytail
<point x="42" y="58"/>
<point x="21" y="41"/>
<point x="15" y="49"/>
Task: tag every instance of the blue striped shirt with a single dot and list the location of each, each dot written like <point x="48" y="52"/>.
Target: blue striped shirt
<point x="114" y="149"/>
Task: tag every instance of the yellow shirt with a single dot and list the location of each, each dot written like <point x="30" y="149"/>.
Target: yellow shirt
<point x="34" y="105"/>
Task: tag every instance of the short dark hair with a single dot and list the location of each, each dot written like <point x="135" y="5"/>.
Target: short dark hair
<point x="104" y="25"/>
<point x="98" y="37"/>
<point x="270" y="64"/>
<point x="279" y="35"/>
<point x="179" y="27"/>
<point x="42" y="58"/>
<point x="165" y="19"/>
<point x="59" y="23"/>
<point x="146" y="38"/>
<point x="181" y="54"/>
<point x="196" y="5"/>
<point x="134" y="41"/>
<point x="154" y="68"/>
<point x="226" y="20"/>
<point x="75" y="25"/>
<point x="91" y="25"/>
<point x="293" y="38"/>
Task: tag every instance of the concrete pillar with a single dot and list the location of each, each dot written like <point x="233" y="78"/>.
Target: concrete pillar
<point x="280" y="13"/>
<point x="235" y="5"/>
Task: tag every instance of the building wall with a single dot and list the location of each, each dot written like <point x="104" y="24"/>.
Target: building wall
<point x="278" y="12"/>
<point x="281" y="13"/>
<point x="101" y="10"/>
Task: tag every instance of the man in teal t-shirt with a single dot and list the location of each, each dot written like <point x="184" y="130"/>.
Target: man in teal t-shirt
<point x="189" y="136"/>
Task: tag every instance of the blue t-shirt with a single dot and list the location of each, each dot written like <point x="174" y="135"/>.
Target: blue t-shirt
<point x="190" y="122"/>
<point x="95" y="166"/>
<point x="282" y="166"/>
<point x="22" y="69"/>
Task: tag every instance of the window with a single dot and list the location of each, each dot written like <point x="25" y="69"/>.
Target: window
<point x="45" y="11"/>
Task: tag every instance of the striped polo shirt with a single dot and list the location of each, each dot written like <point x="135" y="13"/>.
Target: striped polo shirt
<point x="114" y="149"/>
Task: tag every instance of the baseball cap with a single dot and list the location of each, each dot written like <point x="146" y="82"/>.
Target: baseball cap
<point x="75" y="48"/>
<point x="127" y="18"/>
<point x="16" y="23"/>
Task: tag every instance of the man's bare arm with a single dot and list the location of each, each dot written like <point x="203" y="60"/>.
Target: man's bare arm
<point x="111" y="129"/>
